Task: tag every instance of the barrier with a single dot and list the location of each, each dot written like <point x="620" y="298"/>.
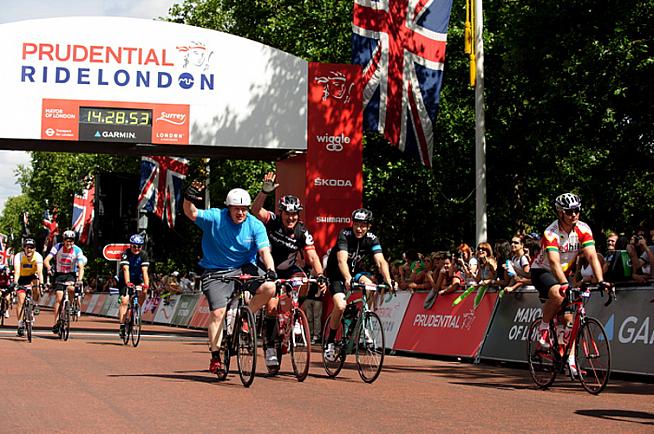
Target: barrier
<point x="200" y="318"/>
<point x="391" y="312"/>
<point x="166" y="310"/>
<point x="443" y="329"/>
<point x="185" y="309"/>
<point x="629" y="324"/>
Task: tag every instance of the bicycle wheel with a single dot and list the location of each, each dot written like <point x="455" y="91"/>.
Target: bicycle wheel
<point x="3" y="308"/>
<point x="127" y="320"/>
<point x="136" y="326"/>
<point x="543" y="364"/>
<point x="300" y="346"/>
<point x="333" y="367"/>
<point x="370" y="347"/>
<point x="246" y="346"/>
<point x="76" y="308"/>
<point x="593" y="356"/>
<point x="28" y="318"/>
<point x="65" y="322"/>
<point x="224" y="355"/>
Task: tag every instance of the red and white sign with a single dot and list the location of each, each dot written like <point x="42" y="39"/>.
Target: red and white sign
<point x="443" y="329"/>
<point x="391" y="312"/>
<point x="113" y="252"/>
<point x="201" y="316"/>
<point x="334" y="185"/>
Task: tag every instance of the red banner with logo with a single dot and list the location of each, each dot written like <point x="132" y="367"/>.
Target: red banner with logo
<point x="443" y="329"/>
<point x="334" y="150"/>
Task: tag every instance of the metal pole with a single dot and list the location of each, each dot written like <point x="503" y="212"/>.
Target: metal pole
<point x="480" y="129"/>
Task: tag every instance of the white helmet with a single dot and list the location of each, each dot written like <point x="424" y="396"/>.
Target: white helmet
<point x="238" y="197"/>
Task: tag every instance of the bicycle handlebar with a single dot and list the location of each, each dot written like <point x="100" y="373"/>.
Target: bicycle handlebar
<point x="370" y="287"/>
<point x="610" y="290"/>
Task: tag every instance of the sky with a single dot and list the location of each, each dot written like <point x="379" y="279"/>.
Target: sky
<point x="18" y="10"/>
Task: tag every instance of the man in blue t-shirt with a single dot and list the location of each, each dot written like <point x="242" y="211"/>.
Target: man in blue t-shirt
<point x="231" y="241"/>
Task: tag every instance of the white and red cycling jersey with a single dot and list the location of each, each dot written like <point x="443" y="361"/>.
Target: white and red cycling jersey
<point x="567" y="244"/>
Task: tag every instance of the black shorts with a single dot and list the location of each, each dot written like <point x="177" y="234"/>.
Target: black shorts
<point x="125" y="291"/>
<point x="543" y="280"/>
<point x="26" y="280"/>
<point x="218" y="293"/>
<point x="60" y="280"/>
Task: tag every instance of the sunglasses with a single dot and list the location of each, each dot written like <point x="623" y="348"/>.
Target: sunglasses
<point x="572" y="211"/>
<point x="137" y="246"/>
<point x="515" y="242"/>
<point x="69" y="239"/>
<point x="481" y="249"/>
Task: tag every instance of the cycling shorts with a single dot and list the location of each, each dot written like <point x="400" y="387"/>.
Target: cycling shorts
<point x="60" y="280"/>
<point x="291" y="271"/>
<point x="26" y="280"/>
<point x="125" y="291"/>
<point x="543" y="280"/>
<point x="218" y="293"/>
<point x="337" y="286"/>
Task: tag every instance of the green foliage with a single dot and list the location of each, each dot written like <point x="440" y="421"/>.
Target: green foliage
<point x="568" y="96"/>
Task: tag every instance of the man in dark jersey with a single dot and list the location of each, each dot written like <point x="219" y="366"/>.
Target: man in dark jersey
<point x="344" y="266"/>
<point x="133" y="271"/>
<point x="290" y="244"/>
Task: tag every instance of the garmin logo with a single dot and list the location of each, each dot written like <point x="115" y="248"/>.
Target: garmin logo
<point x="172" y="118"/>
<point x="320" y="182"/>
<point x="324" y="219"/>
<point x="116" y="135"/>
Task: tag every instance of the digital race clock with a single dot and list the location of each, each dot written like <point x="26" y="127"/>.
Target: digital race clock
<point x="113" y="124"/>
<point x="115" y="116"/>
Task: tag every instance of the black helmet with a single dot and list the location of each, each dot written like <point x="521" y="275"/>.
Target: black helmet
<point x="362" y="215"/>
<point x="290" y="203"/>
<point x="567" y="201"/>
<point x="29" y="242"/>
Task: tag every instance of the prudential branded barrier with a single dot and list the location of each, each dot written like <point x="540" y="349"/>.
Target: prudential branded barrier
<point x="629" y="324"/>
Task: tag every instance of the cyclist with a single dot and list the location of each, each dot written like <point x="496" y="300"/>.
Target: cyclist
<point x="133" y="271"/>
<point x="5" y="281"/>
<point x="289" y="239"/>
<point x="550" y="271"/>
<point x="68" y="267"/>
<point x="28" y="270"/>
<point x="344" y="266"/>
<point x="231" y="241"/>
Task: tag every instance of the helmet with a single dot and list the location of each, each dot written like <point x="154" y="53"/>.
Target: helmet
<point x="238" y="197"/>
<point x="362" y="215"/>
<point x="136" y="239"/>
<point x="290" y="203"/>
<point x="29" y="242"/>
<point x="567" y="201"/>
<point x="69" y="234"/>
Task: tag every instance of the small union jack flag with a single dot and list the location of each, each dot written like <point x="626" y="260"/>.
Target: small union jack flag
<point x="161" y="186"/>
<point x="401" y="47"/>
<point x="83" y="213"/>
<point x="5" y="251"/>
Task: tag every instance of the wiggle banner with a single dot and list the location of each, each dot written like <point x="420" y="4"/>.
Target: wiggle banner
<point x="334" y="161"/>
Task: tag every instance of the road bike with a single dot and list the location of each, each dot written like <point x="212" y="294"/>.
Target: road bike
<point x="27" y="312"/>
<point x="291" y="327"/>
<point x="239" y="329"/>
<point x="132" y="319"/>
<point x="584" y="334"/>
<point x="65" y="309"/>
<point x="361" y="333"/>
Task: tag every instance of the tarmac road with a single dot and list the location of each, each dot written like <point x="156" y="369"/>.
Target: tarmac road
<point x="93" y="383"/>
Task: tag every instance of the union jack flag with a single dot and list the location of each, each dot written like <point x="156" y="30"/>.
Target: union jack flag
<point x="84" y="212"/>
<point x="161" y="186"/>
<point x="5" y="251"/>
<point x="401" y="47"/>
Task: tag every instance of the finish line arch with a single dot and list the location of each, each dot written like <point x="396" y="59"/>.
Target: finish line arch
<point x="142" y="87"/>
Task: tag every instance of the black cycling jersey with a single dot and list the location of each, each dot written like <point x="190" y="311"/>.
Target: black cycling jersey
<point x="134" y="262"/>
<point x="284" y="244"/>
<point x="357" y="249"/>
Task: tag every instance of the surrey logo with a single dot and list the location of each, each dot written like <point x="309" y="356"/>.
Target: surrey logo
<point x="335" y="85"/>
